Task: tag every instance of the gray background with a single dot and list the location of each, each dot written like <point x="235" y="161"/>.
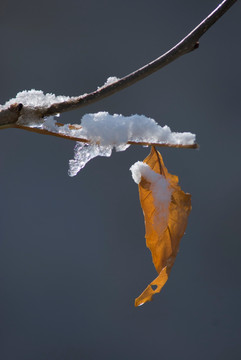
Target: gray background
<point x="72" y="250"/>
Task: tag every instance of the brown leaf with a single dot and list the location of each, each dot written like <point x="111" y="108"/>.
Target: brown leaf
<point x="163" y="230"/>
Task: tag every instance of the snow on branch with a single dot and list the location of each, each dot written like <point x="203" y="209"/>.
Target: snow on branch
<point x="117" y="131"/>
<point x="101" y="132"/>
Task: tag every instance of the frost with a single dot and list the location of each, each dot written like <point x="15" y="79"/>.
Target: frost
<point x="160" y="188"/>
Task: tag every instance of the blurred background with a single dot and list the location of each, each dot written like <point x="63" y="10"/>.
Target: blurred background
<point x="72" y="250"/>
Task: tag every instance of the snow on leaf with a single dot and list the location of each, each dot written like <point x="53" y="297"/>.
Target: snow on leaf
<point x="165" y="216"/>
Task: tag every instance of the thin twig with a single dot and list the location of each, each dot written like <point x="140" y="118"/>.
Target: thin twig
<point x="186" y="45"/>
<point x="68" y="137"/>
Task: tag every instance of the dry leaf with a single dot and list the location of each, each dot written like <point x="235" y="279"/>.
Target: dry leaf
<point x="164" y="227"/>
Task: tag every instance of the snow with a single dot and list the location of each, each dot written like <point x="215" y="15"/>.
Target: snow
<point x="32" y="101"/>
<point x="104" y="132"/>
<point x="161" y="192"/>
<point x="107" y="132"/>
<point x="140" y="169"/>
<point x="117" y="130"/>
<point x="111" y="80"/>
<point x="35" y="99"/>
<point x="50" y="124"/>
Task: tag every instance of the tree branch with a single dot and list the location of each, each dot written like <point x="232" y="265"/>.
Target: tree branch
<point x="73" y="127"/>
<point x="186" y="45"/>
<point x="10" y="116"/>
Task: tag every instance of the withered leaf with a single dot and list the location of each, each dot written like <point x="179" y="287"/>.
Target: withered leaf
<point x="162" y="237"/>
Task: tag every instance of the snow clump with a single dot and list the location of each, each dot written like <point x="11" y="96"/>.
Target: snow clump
<point x="107" y="132"/>
<point x="35" y="99"/>
<point x="160" y="188"/>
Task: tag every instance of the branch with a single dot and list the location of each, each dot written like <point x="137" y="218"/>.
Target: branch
<point x="10" y="116"/>
<point x="186" y="45"/>
<point x="73" y="127"/>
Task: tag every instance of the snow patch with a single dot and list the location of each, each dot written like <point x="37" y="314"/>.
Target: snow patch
<point x="35" y="99"/>
<point x="50" y="124"/>
<point x="114" y="131"/>
<point x="109" y="81"/>
<point x="139" y="170"/>
<point x="161" y="192"/>
<point x="32" y="101"/>
<point x="118" y="130"/>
